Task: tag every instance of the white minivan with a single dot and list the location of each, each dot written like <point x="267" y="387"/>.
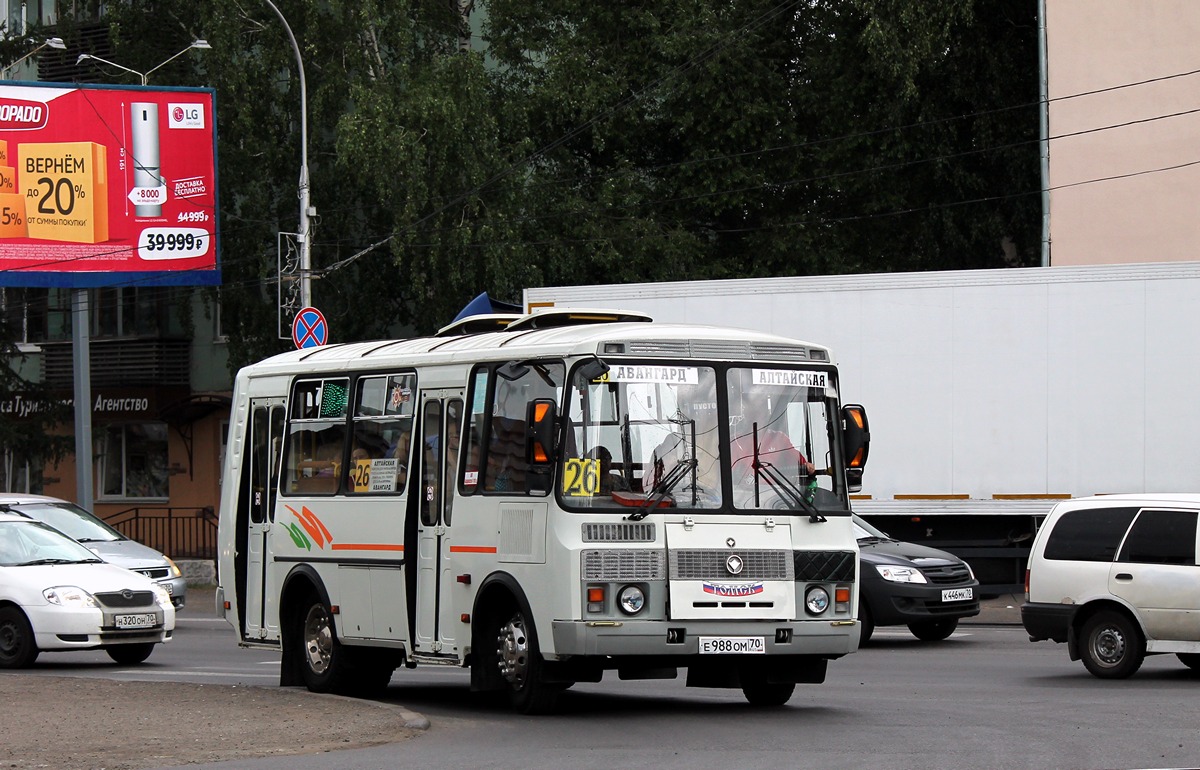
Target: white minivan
<point x="1116" y="578"/>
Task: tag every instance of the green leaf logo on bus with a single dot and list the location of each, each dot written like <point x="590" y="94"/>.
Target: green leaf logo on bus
<point x="312" y="525"/>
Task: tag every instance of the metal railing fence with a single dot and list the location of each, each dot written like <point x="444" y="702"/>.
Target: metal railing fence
<point x="181" y="533"/>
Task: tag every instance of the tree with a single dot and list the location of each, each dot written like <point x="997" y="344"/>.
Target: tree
<point x="601" y="142"/>
<point x="751" y="138"/>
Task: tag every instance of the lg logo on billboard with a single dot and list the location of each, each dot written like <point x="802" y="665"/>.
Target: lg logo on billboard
<point x="185" y="115"/>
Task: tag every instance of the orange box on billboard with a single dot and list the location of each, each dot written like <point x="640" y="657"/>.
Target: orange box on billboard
<point x="12" y="215"/>
<point x="8" y="179"/>
<point x="3" y="152"/>
<point x="65" y="189"/>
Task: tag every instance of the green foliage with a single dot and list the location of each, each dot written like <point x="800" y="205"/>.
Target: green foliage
<point x="582" y="142"/>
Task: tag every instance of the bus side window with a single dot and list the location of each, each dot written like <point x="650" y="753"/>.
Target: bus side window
<point x="507" y="466"/>
<point x="383" y="423"/>
<point x="316" y="445"/>
<point x="476" y="430"/>
<point x="315" y="460"/>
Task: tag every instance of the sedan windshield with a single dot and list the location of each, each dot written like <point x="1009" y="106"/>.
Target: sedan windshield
<point x="24" y="543"/>
<point x="71" y="520"/>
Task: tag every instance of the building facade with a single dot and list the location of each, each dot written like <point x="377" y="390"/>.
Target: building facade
<point x="1123" y="81"/>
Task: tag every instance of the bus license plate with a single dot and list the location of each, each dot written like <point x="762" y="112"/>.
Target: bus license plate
<point x="957" y="594"/>
<point x="733" y="645"/>
<point x="136" y="621"/>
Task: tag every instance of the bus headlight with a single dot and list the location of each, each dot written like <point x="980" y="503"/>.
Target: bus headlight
<point x="631" y="600"/>
<point x="816" y="600"/>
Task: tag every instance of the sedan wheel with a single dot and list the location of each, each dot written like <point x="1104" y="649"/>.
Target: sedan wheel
<point x="17" y="649"/>
<point x="933" y="630"/>
<point x="129" y="654"/>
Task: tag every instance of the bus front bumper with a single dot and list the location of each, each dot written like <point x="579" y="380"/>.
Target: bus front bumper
<point x="621" y="638"/>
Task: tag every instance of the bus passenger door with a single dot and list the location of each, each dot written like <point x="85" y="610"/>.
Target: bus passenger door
<point x="260" y="472"/>
<point x="440" y="421"/>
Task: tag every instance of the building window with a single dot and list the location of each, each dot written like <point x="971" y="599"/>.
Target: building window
<point x="15" y="474"/>
<point x="132" y="461"/>
<point x="140" y="311"/>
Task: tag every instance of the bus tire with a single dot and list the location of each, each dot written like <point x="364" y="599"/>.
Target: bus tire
<point x="521" y="666"/>
<point x="323" y="664"/>
<point x="762" y="694"/>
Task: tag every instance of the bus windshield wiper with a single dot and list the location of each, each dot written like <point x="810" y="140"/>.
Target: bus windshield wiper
<point x="781" y="484"/>
<point x="659" y="491"/>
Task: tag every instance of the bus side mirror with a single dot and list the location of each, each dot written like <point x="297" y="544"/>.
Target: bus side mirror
<point x="856" y="443"/>
<point x="540" y="430"/>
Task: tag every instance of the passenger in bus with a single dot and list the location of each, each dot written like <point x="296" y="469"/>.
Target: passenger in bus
<point x="767" y="416"/>
<point x="400" y="452"/>
<point x="610" y="480"/>
<point x="359" y="472"/>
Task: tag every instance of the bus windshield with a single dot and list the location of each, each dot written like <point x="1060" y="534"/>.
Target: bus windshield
<point x="659" y="435"/>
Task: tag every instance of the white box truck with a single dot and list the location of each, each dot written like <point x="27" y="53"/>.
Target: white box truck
<point x="992" y="393"/>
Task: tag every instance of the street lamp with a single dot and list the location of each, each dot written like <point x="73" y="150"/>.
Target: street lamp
<point x="306" y="209"/>
<point x="145" y="76"/>
<point x="52" y="42"/>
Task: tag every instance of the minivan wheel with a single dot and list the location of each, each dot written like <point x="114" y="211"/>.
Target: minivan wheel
<point x="1189" y="659"/>
<point x="1111" y="645"/>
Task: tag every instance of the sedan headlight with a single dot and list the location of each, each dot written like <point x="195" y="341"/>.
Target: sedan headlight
<point x="175" y="571"/>
<point x="900" y="574"/>
<point x="163" y="596"/>
<point x="69" y="596"/>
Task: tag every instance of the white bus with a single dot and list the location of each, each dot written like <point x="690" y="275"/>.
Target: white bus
<point x="625" y="496"/>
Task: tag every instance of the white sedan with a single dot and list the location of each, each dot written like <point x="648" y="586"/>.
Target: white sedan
<point x="56" y="595"/>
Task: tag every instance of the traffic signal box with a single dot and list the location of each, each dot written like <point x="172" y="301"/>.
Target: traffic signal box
<point x="64" y="189"/>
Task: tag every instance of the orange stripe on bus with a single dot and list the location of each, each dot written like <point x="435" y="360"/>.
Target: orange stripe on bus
<point x="366" y="547"/>
<point x="472" y="549"/>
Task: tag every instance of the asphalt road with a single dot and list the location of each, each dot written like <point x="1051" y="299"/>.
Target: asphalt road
<point x="985" y="698"/>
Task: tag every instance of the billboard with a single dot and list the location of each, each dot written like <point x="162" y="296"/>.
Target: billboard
<point x="104" y="186"/>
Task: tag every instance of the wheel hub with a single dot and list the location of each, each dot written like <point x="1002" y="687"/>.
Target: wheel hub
<point x="318" y="639"/>
<point x="1109" y="646"/>
<point x="512" y="652"/>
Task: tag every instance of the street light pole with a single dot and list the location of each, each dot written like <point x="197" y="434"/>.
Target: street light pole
<point x="51" y="42"/>
<point x="306" y="209"/>
<point x="145" y="76"/>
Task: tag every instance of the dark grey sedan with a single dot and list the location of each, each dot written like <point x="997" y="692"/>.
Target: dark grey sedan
<point x="905" y="584"/>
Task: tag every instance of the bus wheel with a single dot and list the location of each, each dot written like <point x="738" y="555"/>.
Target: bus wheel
<point x="322" y="656"/>
<point x="765" y="694"/>
<point x="520" y="665"/>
